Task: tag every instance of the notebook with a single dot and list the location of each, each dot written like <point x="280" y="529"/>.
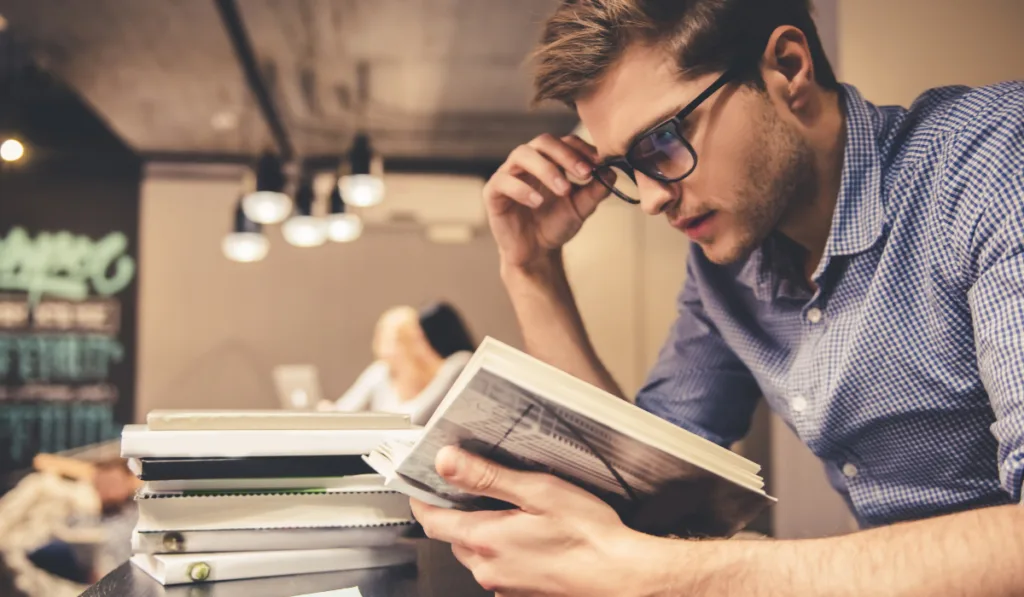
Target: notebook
<point x="259" y="467"/>
<point x="525" y="414"/>
<point x="367" y="535"/>
<point x="138" y="441"/>
<point x="172" y="569"/>
<point x="186" y="486"/>
<point x="225" y="420"/>
<point x="254" y="510"/>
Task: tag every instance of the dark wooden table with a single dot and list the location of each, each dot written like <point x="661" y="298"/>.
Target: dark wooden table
<point x="435" y="574"/>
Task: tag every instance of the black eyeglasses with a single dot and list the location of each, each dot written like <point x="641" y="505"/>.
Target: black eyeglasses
<point x="661" y="153"/>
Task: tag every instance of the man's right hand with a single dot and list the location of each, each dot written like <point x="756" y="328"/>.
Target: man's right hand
<point x="532" y="207"/>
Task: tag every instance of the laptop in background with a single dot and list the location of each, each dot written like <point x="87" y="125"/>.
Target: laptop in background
<point x="298" y="386"/>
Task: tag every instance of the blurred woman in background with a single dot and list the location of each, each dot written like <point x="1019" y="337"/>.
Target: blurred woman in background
<point x="418" y="356"/>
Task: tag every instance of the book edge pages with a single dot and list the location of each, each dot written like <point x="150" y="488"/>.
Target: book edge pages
<point x="266" y="510"/>
<point x="137" y="441"/>
<point x="403" y="485"/>
<point x="272" y="420"/>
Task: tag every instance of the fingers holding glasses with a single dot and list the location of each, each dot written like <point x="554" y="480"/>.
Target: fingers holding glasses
<point x="504" y="184"/>
<point x="553" y="162"/>
<point x="573" y="155"/>
<point x="548" y="167"/>
<point x="529" y="163"/>
<point x="582" y="172"/>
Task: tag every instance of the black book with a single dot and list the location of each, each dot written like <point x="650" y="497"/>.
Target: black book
<point x="263" y="467"/>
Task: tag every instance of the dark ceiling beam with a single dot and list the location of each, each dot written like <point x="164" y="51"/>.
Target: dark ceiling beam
<point x="239" y="37"/>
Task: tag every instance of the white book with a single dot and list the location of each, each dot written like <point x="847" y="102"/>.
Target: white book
<point x="179" y="486"/>
<point x="172" y="569"/>
<point x="326" y="508"/>
<point x="372" y="535"/>
<point x="251" y="419"/>
<point x="138" y="441"/>
<point x="526" y="414"/>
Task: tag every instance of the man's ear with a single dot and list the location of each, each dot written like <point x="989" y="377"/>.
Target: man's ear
<point x="787" y="67"/>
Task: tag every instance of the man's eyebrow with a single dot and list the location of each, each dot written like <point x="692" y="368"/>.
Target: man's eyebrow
<point x="642" y="130"/>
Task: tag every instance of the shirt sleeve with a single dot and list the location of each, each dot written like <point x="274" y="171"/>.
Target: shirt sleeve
<point x="360" y="395"/>
<point x="430" y="398"/>
<point x="698" y="383"/>
<point x="995" y="270"/>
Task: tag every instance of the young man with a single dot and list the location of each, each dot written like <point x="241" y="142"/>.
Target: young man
<point x="862" y="268"/>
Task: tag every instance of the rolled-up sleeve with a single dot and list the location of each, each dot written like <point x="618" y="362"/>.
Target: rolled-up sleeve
<point x="997" y="312"/>
<point x="698" y="383"/>
<point x="997" y="308"/>
<point x="986" y="165"/>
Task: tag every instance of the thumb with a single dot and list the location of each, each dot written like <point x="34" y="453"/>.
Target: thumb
<point x="483" y="477"/>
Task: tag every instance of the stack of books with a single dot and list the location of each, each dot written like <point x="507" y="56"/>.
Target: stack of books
<point x="251" y="494"/>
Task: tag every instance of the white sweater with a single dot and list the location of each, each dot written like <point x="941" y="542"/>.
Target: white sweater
<point x="373" y="391"/>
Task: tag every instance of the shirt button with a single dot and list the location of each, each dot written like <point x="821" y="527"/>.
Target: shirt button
<point x="850" y="470"/>
<point x="814" y="315"/>
<point x="798" y="404"/>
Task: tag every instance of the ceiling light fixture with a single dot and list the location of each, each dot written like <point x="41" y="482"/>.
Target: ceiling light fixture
<point x="363" y="184"/>
<point x="268" y="204"/>
<point x="246" y="243"/>
<point x="11" y="150"/>
<point x="304" y="229"/>
<point x="342" y="225"/>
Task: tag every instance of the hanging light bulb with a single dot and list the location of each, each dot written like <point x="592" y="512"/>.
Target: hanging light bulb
<point x="342" y="226"/>
<point x="304" y="229"/>
<point x="268" y="204"/>
<point x="246" y="242"/>
<point x="363" y="185"/>
<point x="11" y="150"/>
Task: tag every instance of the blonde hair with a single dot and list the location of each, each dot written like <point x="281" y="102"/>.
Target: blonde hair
<point x="403" y="319"/>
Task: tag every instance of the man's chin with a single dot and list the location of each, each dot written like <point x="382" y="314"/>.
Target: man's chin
<point x="725" y="251"/>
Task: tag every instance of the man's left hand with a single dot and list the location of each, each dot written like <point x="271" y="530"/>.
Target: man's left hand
<point x="559" y="540"/>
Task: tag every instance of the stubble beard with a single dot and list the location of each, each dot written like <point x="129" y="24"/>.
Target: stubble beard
<point x="786" y="161"/>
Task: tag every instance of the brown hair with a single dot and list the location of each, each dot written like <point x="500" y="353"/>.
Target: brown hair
<point x="584" y="38"/>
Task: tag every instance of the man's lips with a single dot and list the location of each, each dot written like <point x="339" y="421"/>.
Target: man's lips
<point x="692" y="222"/>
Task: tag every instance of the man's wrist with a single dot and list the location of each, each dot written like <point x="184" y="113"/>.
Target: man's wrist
<point x="673" y="567"/>
<point x="544" y="271"/>
<point x="654" y="567"/>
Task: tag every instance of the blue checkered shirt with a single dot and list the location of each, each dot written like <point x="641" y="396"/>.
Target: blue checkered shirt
<point x="904" y="371"/>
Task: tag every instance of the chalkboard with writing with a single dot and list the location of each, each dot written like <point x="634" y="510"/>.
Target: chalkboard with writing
<point x="60" y="339"/>
<point x="68" y="276"/>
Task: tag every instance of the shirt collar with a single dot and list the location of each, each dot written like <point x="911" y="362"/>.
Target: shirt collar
<point x="859" y="217"/>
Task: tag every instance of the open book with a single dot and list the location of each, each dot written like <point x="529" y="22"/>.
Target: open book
<point x="520" y="412"/>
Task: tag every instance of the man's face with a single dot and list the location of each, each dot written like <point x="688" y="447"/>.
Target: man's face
<point x="752" y="163"/>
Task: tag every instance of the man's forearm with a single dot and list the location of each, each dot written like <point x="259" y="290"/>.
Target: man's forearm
<point x="971" y="554"/>
<point x="550" y="321"/>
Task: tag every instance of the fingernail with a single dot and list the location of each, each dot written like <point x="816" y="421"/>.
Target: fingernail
<point x="536" y="199"/>
<point x="583" y="169"/>
<point x="562" y="186"/>
<point x="449" y="461"/>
